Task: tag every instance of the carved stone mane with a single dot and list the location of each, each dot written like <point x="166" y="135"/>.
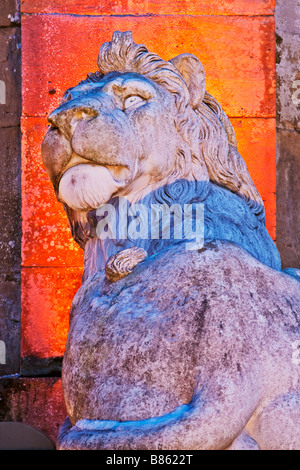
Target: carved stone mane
<point x="207" y="152"/>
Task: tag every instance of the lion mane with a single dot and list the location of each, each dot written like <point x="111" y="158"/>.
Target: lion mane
<point x="207" y="152"/>
<point x="208" y="137"/>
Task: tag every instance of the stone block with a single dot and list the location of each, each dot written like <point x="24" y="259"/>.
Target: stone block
<point x="157" y="7"/>
<point x="10" y="76"/>
<point x="10" y="200"/>
<point x="10" y="313"/>
<point x="287" y="16"/>
<point x="288" y="80"/>
<point x="10" y="12"/>
<point x="10" y="246"/>
<point x="288" y="197"/>
<point x="51" y="46"/>
<point x="47" y="294"/>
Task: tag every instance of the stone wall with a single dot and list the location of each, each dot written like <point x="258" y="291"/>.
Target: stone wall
<point x="10" y="184"/>
<point x="36" y="401"/>
<point x="288" y="131"/>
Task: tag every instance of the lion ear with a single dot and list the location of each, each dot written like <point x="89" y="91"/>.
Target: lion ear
<point x="193" y="73"/>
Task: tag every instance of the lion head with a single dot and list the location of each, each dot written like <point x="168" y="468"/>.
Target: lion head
<point x="139" y="124"/>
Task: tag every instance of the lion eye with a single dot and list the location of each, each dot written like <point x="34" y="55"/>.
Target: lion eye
<point x="132" y="101"/>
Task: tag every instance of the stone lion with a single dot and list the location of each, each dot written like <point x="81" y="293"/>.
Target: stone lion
<point x="174" y="342"/>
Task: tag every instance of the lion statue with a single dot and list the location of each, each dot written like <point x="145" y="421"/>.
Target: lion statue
<point x="178" y="339"/>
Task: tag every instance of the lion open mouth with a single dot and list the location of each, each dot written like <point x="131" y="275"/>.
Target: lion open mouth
<point x="87" y="186"/>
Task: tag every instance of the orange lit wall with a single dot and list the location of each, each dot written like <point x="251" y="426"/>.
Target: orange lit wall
<point x="60" y="42"/>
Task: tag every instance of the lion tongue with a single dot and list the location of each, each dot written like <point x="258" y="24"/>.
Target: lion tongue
<point x="86" y="186"/>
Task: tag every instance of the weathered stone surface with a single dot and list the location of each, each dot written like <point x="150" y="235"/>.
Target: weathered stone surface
<point x="205" y="346"/>
<point x="10" y="248"/>
<point x="10" y="182"/>
<point x="288" y="80"/>
<point x="10" y="200"/>
<point x="288" y="119"/>
<point x="10" y="74"/>
<point x="10" y="317"/>
<point x="34" y="401"/>
<point x="288" y="197"/>
<point x="10" y="12"/>
<point x="288" y="17"/>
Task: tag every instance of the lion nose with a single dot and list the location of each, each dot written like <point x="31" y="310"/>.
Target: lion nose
<point x="68" y="115"/>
